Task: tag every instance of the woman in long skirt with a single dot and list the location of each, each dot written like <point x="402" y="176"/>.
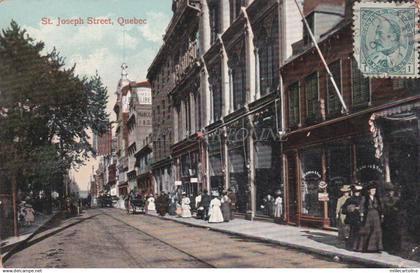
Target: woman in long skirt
<point x="215" y="211"/>
<point x="225" y="207"/>
<point x="185" y="206"/>
<point x="371" y="230"/>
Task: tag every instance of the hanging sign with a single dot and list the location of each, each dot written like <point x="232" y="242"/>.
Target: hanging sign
<point x="178" y="183"/>
<point x="194" y="180"/>
<point x="323" y="196"/>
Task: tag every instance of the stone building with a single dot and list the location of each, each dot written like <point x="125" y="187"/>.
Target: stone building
<point x="219" y="69"/>
<point x="139" y="124"/>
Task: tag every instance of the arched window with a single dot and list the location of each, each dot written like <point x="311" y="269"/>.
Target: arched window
<point x="237" y="65"/>
<point x="267" y="44"/>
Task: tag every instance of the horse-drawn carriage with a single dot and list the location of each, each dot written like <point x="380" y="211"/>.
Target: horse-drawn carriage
<point x="135" y="205"/>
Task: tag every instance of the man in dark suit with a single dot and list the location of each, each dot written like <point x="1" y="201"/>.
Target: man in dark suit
<point x="205" y="203"/>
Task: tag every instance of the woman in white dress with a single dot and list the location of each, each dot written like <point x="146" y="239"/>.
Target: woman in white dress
<point x="185" y="206"/>
<point x="151" y="206"/>
<point x="278" y="207"/>
<point x="216" y="215"/>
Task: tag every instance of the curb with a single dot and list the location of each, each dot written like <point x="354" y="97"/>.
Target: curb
<point x="325" y="253"/>
<point x="12" y="249"/>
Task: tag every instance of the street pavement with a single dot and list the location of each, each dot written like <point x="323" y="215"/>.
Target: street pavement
<point x="109" y="238"/>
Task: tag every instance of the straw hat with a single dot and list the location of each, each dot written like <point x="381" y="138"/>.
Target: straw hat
<point x="356" y="187"/>
<point x="345" y="188"/>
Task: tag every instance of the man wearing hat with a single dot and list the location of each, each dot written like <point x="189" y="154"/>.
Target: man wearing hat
<point x="343" y="228"/>
<point x="392" y="223"/>
<point x="351" y="209"/>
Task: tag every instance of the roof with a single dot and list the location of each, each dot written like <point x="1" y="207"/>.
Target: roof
<point x="336" y="29"/>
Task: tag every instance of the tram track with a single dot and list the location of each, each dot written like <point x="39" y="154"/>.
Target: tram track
<point x="147" y="234"/>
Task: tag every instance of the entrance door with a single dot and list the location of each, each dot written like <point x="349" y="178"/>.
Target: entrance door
<point x="292" y="188"/>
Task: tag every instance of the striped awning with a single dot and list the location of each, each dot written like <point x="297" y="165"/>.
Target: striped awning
<point x="401" y="113"/>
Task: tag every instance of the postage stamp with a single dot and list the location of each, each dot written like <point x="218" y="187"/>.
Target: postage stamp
<point x="385" y="39"/>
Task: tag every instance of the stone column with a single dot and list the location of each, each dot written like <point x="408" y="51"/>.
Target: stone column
<point x="192" y="113"/>
<point x="251" y="172"/>
<point x="250" y="62"/>
<point x="224" y="144"/>
<point x="183" y="120"/>
<point x="224" y="15"/>
<point x="225" y="83"/>
<point x="175" y="123"/>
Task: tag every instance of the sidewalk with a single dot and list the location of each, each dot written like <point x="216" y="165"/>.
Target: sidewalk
<point x="316" y="241"/>
<point x="26" y="233"/>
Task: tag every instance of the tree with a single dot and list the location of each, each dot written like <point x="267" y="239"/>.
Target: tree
<point x="46" y="111"/>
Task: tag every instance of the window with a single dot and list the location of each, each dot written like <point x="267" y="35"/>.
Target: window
<point x="216" y="91"/>
<point x="360" y="86"/>
<point x="237" y="65"/>
<point x="267" y="43"/>
<point x="312" y="103"/>
<point x="235" y="9"/>
<point x="333" y="102"/>
<point x="214" y="20"/>
<point x="310" y="18"/>
<point x="311" y="170"/>
<point x="294" y="105"/>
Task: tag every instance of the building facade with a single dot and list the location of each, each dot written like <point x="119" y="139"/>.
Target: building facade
<point x="221" y="72"/>
<point x="377" y="140"/>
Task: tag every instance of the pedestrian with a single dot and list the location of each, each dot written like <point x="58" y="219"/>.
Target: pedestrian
<point x="205" y="203"/>
<point x="172" y="204"/>
<point x="371" y="217"/>
<point x="278" y="207"/>
<point x="343" y="228"/>
<point x="351" y="209"/>
<point x="162" y="204"/>
<point x="29" y="215"/>
<point x="232" y="197"/>
<point x="225" y="206"/>
<point x="268" y="202"/>
<point x="215" y="212"/>
<point x="391" y="227"/>
<point x="185" y="206"/>
<point x="151" y="206"/>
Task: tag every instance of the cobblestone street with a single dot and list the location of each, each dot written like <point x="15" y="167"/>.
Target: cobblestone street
<point x="111" y="238"/>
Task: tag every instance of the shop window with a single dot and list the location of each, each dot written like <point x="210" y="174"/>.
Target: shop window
<point x="338" y="173"/>
<point x="312" y="98"/>
<point x="333" y="102"/>
<point x="360" y="86"/>
<point x="294" y="110"/>
<point x="368" y="167"/>
<point x="311" y="170"/>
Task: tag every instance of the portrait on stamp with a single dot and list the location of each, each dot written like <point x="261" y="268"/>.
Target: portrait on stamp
<point x="384" y="39"/>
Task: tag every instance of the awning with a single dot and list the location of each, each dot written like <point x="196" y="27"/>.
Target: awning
<point x="399" y="113"/>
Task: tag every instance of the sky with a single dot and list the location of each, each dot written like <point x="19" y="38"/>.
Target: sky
<point x="101" y="47"/>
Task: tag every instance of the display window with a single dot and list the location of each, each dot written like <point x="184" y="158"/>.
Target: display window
<point x="311" y="174"/>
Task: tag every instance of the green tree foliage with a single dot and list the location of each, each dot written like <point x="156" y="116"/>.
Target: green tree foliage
<point x="46" y="110"/>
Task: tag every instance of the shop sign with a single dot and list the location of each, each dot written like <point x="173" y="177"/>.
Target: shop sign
<point x="194" y="180"/>
<point x="370" y="167"/>
<point x="323" y="196"/>
<point x="178" y="183"/>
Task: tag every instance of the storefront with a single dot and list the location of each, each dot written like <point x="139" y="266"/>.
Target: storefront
<point x="396" y="134"/>
<point x="189" y="172"/>
<point x="267" y="162"/>
<point x="338" y="154"/>
<point x="216" y="162"/>
<point x="237" y="138"/>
